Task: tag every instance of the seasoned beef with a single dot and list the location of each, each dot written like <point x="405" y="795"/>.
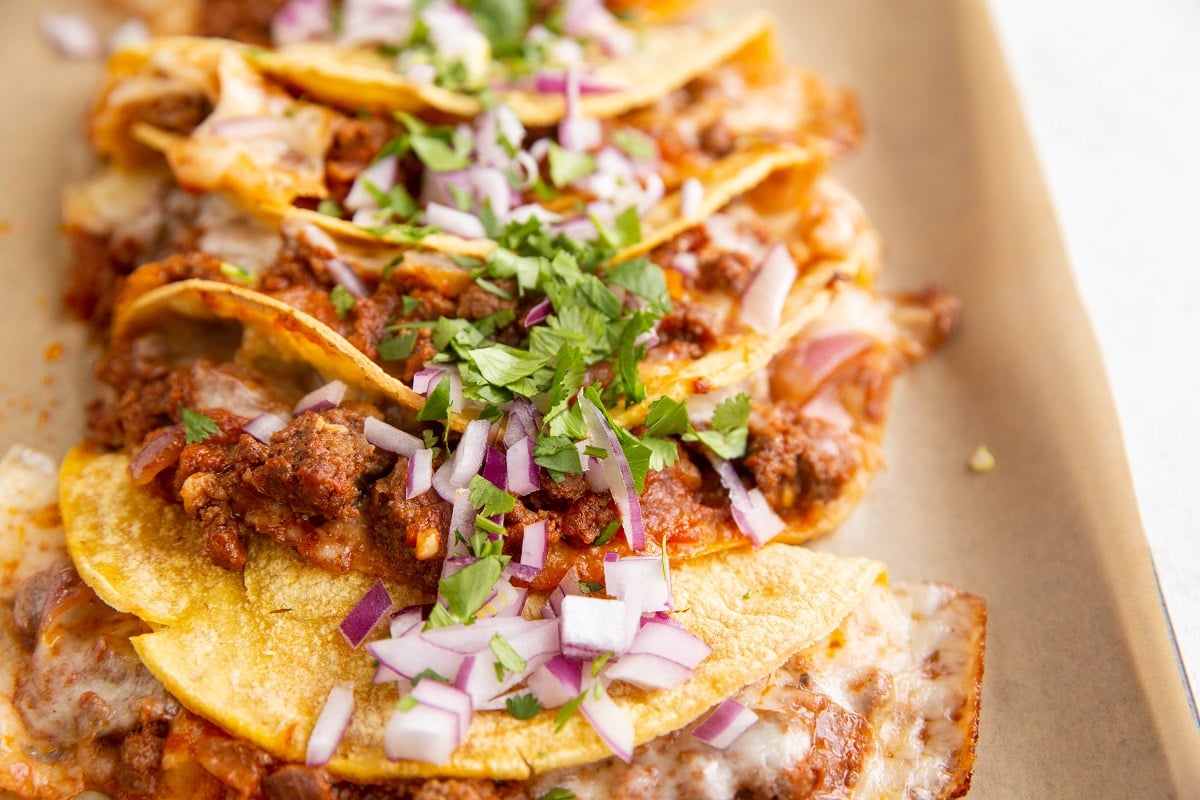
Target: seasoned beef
<point x="356" y="143"/>
<point x="244" y="20"/>
<point x="689" y="331"/>
<point x="295" y="782"/>
<point x="798" y="460"/>
<point x="476" y="302"/>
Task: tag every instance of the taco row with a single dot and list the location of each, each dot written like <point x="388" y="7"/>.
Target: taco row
<point x="445" y="417"/>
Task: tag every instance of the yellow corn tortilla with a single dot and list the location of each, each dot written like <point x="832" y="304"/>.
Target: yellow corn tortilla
<point x="258" y="653"/>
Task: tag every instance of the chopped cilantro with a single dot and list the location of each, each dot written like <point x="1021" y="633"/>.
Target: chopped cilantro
<point x="635" y="144"/>
<point x="484" y="524"/>
<point x="437" y="404"/>
<point x="236" y="273"/>
<point x="728" y="434"/>
<point x="568" y="166"/>
<point x="598" y="663"/>
<point x="558" y="793"/>
<point x="607" y="534"/>
<point x="330" y="208"/>
<point x="407" y="703"/>
<point x="467" y="590"/>
<point x="490" y="500"/>
<point x="442" y="153"/>
<point x="409" y="304"/>
<point x="397" y="346"/>
<point x="482" y="545"/>
<point x="397" y="201"/>
<point x="667" y="417"/>
<point x="587" y="587"/>
<point x="342" y="301"/>
<point x="566" y="710"/>
<point x="507" y="659"/>
<point x="431" y="674"/>
<point x="198" y="427"/>
<point x="523" y="706"/>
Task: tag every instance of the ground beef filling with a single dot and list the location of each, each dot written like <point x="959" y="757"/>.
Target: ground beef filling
<point x="244" y="20"/>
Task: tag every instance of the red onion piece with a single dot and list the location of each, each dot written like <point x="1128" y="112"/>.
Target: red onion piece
<point x="366" y="614"/>
<point x="420" y="473"/>
<point x="753" y="516"/>
<point x="454" y="222"/>
<point x="652" y="195"/>
<point x="412" y="654"/>
<point x="764" y="298"/>
<point x="159" y="451"/>
<point x="556" y="83"/>
<point x="534" y="541"/>
<point x="495" y="468"/>
<point x="381" y="175"/>
<point x="472" y="638"/>
<point x="521" y="572"/>
<point x="491" y="188"/>
<point x="538" y="313"/>
<point x="130" y="33"/>
<point x="580" y="133"/>
<point x="556" y="682"/>
<point x="524" y="421"/>
<point x="686" y="264"/>
<point x="647" y="671"/>
<point x="691" y="198"/>
<point x="617" y="473"/>
<point x="391" y="439"/>
<point x="423" y="733"/>
<point x="331" y="725"/>
<point x="328" y="396"/>
<point x="592" y="625"/>
<point x="405" y="621"/>
<point x="670" y="641"/>
<point x="468" y="457"/>
<point x="639" y="582"/>
<point x="427" y="379"/>
<point x="447" y="698"/>
<point x="72" y="35"/>
<point x="724" y="725"/>
<point x="462" y="523"/>
<point x="421" y="73"/>
<point x="301" y="21"/>
<point x="344" y="275"/>
<point x="609" y="722"/>
<point x="264" y="426"/>
<point x="523" y="477"/>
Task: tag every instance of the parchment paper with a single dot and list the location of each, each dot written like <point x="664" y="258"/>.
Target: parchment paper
<point x="1082" y="696"/>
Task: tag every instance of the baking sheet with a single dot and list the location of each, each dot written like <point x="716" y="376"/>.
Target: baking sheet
<point x="1082" y="697"/>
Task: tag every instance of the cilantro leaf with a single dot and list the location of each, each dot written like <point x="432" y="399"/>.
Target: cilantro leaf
<point x="644" y="278"/>
<point x="431" y="674"/>
<point x="568" y="166"/>
<point x="439" y="154"/>
<point x="558" y="793"/>
<point x="342" y="301"/>
<point x="635" y="144"/>
<point x="437" y="404"/>
<point x="566" y="710"/>
<point x="330" y="208"/>
<point x="490" y="500"/>
<point x="507" y="659"/>
<point x="607" y="534"/>
<point x="504" y="365"/>
<point x="236" y="273"/>
<point x="523" y="706"/>
<point x="667" y="417"/>
<point x="197" y="427"/>
<point x="557" y="455"/>
<point x="467" y="590"/>
<point x="397" y="346"/>
<point x="728" y="434"/>
<point x="588" y="587"/>
<point x="407" y="703"/>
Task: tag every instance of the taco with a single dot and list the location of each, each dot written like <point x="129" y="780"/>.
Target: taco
<point x="794" y="636"/>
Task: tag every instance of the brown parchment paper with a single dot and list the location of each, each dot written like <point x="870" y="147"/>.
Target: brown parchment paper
<point x="1082" y="697"/>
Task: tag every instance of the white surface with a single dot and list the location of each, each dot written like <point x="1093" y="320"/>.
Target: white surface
<point x="1111" y="91"/>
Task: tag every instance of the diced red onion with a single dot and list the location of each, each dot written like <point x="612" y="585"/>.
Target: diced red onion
<point x="391" y="439"/>
<point x="521" y="572"/>
<point x="375" y="22"/>
<point x="652" y="195"/>
<point x="422" y="73"/>
<point x="462" y="520"/>
<point x="491" y="188"/>
<point x="610" y="723"/>
<point x="427" y="379"/>
<point x="71" y="34"/>
<point x="405" y="621"/>
<point x="724" y="725"/>
<point x="412" y="654"/>
<point x="686" y="264"/>
<point x="509" y="125"/>
<point x="534" y="541"/>
<point x="639" y="582"/>
<point x="647" y="671"/>
<point x="301" y="21"/>
<point x="366" y="614"/>
<point x="557" y="681"/>
<point x="455" y="222"/>
<point x="593" y="625"/>
<point x="475" y="637"/>
<point x="420" y="473"/>
<point x="247" y="127"/>
<point x="264" y="426"/>
<point x="524" y="421"/>
<point x="556" y="83"/>
<point x="670" y="641"/>
<point x="422" y="733"/>
<point x="755" y="518"/>
<point x="468" y="457"/>
<point x="331" y="725"/>
<point x="618" y="475"/>
<point x="580" y="133"/>
<point x="381" y="175"/>
<point x="130" y="33"/>
<point x="538" y="313"/>
<point x="328" y="396"/>
<point x="448" y="698"/>
<point x="764" y="298"/>
<point x="346" y="277"/>
<point x="495" y="468"/>
<point x="523" y="477"/>
<point x="691" y="197"/>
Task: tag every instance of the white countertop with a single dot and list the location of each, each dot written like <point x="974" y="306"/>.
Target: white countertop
<point x="1111" y="91"/>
